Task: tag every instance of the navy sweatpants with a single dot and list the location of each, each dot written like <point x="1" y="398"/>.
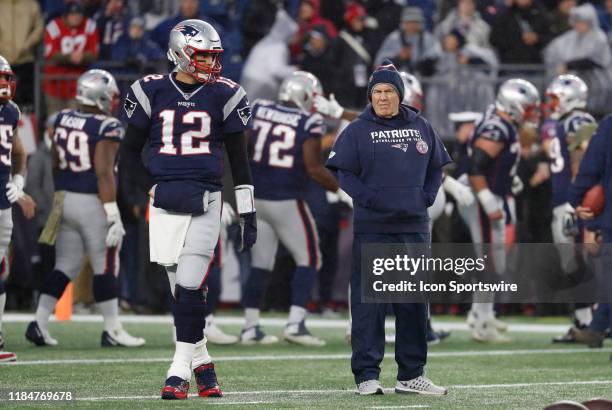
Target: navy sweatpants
<point x="602" y="316"/>
<point x="368" y="325"/>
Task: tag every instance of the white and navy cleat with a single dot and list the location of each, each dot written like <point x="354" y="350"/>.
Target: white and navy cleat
<point x="120" y="338"/>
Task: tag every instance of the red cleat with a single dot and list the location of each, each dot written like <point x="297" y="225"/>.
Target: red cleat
<point x="175" y="389"/>
<point x="207" y="381"/>
<point x="7" y="357"/>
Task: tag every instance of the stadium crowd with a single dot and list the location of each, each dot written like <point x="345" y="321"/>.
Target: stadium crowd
<point x="461" y="51"/>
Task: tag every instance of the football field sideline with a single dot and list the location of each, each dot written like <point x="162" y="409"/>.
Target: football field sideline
<point x="339" y="391"/>
<point x="310" y="357"/>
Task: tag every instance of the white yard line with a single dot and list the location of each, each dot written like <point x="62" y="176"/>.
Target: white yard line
<point x="298" y="357"/>
<point x="324" y="391"/>
<point x="315" y="323"/>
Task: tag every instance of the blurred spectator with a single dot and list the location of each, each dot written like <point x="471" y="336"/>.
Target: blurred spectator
<point x="333" y="10"/>
<point x="308" y="17"/>
<point x="488" y="9"/>
<point x="268" y="62"/>
<point x="409" y="47"/>
<point x="386" y="15"/>
<point x="55" y="8"/>
<point x="520" y="33"/>
<point x="136" y="49"/>
<point x="466" y="20"/>
<point x="353" y="59"/>
<point x="604" y="11"/>
<point x="154" y="11"/>
<point x="465" y="80"/>
<point x="318" y="56"/>
<point x="21" y="29"/>
<point x="112" y="24"/>
<point x="189" y="9"/>
<point x="256" y="22"/>
<point x="559" y="18"/>
<point x="71" y="44"/>
<point x="583" y="51"/>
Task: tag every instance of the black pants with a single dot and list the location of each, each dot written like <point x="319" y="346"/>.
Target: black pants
<point x="368" y="323"/>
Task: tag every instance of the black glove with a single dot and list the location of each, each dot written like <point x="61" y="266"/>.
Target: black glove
<point x="248" y="231"/>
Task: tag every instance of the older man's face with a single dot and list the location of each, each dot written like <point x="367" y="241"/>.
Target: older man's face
<point x="385" y="100"/>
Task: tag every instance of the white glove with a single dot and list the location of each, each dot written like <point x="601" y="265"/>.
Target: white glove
<point x="488" y="201"/>
<point x="330" y="108"/>
<point x="462" y="194"/>
<point x="344" y="197"/>
<point x="14" y="188"/>
<point x="115" y="226"/>
<point x="228" y="215"/>
<point x="517" y="185"/>
<point x="569" y="221"/>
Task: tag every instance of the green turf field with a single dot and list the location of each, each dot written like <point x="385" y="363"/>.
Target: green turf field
<point x="527" y="374"/>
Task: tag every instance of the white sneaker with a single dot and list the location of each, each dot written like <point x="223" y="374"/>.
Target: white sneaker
<point x="486" y="332"/>
<point x="216" y="336"/>
<point x="472" y="319"/>
<point x="390" y="338"/>
<point x="369" y="387"/>
<point x="6" y="357"/>
<point x="419" y="385"/>
<point x="119" y="337"/>
<point x="298" y="334"/>
<point x="255" y="336"/>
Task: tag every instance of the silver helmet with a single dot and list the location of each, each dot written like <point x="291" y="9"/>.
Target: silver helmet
<point x="190" y="38"/>
<point x="565" y="93"/>
<point x="520" y="100"/>
<point x="413" y="92"/>
<point x="8" y="84"/>
<point x="300" y="88"/>
<point x="98" y="88"/>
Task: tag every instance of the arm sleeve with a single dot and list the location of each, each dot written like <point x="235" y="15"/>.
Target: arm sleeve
<point x="112" y="130"/>
<point x="236" y="147"/>
<point x="593" y="164"/>
<point x="136" y="107"/>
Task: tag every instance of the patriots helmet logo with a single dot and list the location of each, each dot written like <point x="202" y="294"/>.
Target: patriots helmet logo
<point x="188" y="31"/>
<point x="245" y="114"/>
<point x="403" y="147"/>
<point x="129" y="106"/>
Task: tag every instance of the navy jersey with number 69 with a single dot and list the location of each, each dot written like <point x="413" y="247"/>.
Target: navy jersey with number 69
<point x="9" y="118"/>
<point x="186" y="129"/>
<point x="493" y="127"/>
<point x="75" y="137"/>
<point x="277" y="135"/>
<point x="558" y="152"/>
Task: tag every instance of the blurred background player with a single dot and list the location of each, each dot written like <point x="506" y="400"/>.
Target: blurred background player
<point x="187" y="117"/>
<point x="494" y="153"/>
<point x="566" y="98"/>
<point x="86" y="219"/>
<point x="286" y="140"/>
<point x="12" y="171"/>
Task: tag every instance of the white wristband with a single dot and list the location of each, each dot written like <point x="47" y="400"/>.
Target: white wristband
<point x="488" y="201"/>
<point x="18" y="180"/>
<point x="245" y="199"/>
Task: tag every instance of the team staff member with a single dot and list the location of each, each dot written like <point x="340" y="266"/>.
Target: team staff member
<point x="389" y="160"/>
<point x="596" y="168"/>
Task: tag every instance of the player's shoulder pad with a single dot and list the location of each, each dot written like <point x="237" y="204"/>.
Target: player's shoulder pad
<point x="314" y="124"/>
<point x="493" y="129"/>
<point x="111" y="127"/>
<point x="142" y="91"/>
<point x="260" y="102"/>
<point x="577" y="119"/>
<point x="232" y="94"/>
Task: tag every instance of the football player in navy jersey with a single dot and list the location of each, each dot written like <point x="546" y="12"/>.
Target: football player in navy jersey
<point x="286" y="140"/>
<point x="494" y="154"/>
<point x="85" y="144"/>
<point x="566" y="98"/>
<point x="188" y="117"/>
<point x="12" y="170"/>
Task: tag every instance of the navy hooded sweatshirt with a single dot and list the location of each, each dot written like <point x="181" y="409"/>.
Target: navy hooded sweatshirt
<point x="392" y="168"/>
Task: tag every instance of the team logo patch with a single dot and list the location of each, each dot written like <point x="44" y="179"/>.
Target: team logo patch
<point x="129" y="106"/>
<point x="422" y="147"/>
<point x="403" y="147"/>
<point x="188" y="31"/>
<point x="244" y="113"/>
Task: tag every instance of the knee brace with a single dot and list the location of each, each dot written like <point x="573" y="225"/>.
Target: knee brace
<point x="55" y="284"/>
<point x="189" y="311"/>
<point x="104" y="287"/>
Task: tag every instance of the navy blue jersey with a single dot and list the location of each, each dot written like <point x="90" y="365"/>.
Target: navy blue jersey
<point x="558" y="152"/>
<point x="75" y="137"/>
<point x="9" y="119"/>
<point x="186" y="130"/>
<point x="386" y="166"/>
<point x="277" y="135"/>
<point x="495" y="128"/>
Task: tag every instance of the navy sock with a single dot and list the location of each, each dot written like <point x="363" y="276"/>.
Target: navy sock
<point x="301" y="286"/>
<point x="189" y="311"/>
<point x="254" y="288"/>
